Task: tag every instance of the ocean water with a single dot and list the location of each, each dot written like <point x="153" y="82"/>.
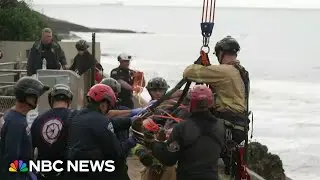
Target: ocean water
<point x="278" y="47"/>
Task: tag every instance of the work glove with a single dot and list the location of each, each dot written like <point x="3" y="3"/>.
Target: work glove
<point x="150" y="103"/>
<point x="132" y="142"/>
<point x="136" y="111"/>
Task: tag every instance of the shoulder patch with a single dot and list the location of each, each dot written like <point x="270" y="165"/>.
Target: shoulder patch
<point x="110" y="127"/>
<point x="173" y="147"/>
<point x="51" y="130"/>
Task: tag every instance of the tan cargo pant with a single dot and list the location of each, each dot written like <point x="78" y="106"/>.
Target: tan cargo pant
<point x="151" y="173"/>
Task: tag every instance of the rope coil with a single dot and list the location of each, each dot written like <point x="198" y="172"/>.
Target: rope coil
<point x="138" y="86"/>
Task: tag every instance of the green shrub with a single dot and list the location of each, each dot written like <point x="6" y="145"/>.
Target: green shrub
<point x="19" y="22"/>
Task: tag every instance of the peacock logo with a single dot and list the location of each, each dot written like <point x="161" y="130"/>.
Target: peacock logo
<point x="18" y="166"/>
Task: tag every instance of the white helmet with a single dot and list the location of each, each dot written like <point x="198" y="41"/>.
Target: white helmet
<point x="125" y="57"/>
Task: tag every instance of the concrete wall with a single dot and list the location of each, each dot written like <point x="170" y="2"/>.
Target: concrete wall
<point x="17" y="51"/>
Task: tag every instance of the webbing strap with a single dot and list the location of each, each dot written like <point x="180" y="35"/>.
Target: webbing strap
<point x="245" y="78"/>
<point x="246" y="81"/>
<point x="232" y="125"/>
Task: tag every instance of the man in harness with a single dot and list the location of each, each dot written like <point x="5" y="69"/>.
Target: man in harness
<point x="153" y="169"/>
<point x="231" y="83"/>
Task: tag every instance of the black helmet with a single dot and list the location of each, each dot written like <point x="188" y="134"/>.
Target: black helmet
<point x="227" y="45"/>
<point x="28" y="86"/>
<point x="114" y="84"/>
<point x="82" y="45"/>
<point x="61" y="92"/>
<point x="157" y="83"/>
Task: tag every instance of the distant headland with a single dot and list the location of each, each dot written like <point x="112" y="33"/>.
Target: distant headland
<point x="63" y="28"/>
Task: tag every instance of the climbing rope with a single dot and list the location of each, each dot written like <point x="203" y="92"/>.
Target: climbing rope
<point x="138" y="86"/>
<point x="168" y="116"/>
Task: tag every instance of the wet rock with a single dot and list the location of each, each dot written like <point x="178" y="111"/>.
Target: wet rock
<point x="264" y="163"/>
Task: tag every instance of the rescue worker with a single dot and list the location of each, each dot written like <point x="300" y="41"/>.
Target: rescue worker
<point x="196" y="153"/>
<point x="15" y="134"/>
<point x="116" y="87"/>
<point x="84" y="61"/>
<point x="91" y="122"/>
<point x="157" y="87"/>
<point x="153" y="169"/>
<point x="119" y="110"/>
<point x="48" y="50"/>
<point x="52" y="145"/>
<point x="231" y="102"/>
<point x="125" y="76"/>
<point x="231" y="83"/>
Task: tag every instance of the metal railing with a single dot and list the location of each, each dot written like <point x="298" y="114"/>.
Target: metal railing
<point x="16" y="72"/>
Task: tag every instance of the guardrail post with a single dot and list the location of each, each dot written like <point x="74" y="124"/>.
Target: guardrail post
<point x="17" y="66"/>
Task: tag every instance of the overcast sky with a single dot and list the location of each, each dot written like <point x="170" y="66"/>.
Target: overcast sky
<point x="243" y="3"/>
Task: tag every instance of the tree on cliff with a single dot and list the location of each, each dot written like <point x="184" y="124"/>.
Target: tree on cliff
<point x="19" y="22"/>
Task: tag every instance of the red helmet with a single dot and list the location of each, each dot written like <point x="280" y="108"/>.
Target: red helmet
<point x="101" y="92"/>
<point x="150" y="125"/>
<point x="201" y="98"/>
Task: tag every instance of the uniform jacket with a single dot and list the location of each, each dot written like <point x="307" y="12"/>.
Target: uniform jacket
<point x="37" y="53"/>
<point x="226" y="79"/>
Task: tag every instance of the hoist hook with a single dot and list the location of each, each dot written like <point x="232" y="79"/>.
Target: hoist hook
<point x="207" y="22"/>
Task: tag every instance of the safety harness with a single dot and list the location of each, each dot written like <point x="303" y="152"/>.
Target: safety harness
<point x="242" y="173"/>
